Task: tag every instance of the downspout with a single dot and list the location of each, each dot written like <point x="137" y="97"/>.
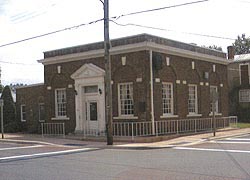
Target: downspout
<point x="152" y="91"/>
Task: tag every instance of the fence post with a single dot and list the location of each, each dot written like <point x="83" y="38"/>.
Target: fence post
<point x="63" y="131"/>
<point x="195" y="129"/>
<point x="224" y="122"/>
<point x="236" y="121"/>
<point x="42" y="129"/>
<point x="177" y="127"/>
<point x="132" y="131"/>
<point x="156" y="130"/>
<point x="211" y="120"/>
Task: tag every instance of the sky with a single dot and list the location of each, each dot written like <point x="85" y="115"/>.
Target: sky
<point x="194" y="23"/>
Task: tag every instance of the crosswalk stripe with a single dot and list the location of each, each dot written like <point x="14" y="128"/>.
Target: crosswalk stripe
<point x="23" y="147"/>
<point x="238" y="139"/>
<point x="45" y="154"/>
<point x="212" y="150"/>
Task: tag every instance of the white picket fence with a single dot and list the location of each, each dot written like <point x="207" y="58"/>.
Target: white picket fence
<point x="165" y="127"/>
<point x="53" y="129"/>
<point x="138" y="129"/>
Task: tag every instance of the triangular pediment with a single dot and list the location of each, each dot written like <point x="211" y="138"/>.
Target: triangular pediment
<point x="88" y="70"/>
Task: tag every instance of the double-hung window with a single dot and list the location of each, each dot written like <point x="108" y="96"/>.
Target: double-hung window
<point x="192" y="99"/>
<point x="23" y="113"/>
<point x="60" y="95"/>
<point x="244" y="95"/>
<point x="214" y="97"/>
<point x="167" y="99"/>
<point x="41" y="112"/>
<point x="125" y="98"/>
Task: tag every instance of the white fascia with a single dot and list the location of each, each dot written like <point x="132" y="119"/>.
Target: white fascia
<point x="134" y="48"/>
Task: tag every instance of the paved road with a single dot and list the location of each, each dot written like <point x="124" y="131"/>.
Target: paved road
<point x="227" y="159"/>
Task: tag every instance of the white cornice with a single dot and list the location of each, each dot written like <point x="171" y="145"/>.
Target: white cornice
<point x="133" y="48"/>
<point x="185" y="53"/>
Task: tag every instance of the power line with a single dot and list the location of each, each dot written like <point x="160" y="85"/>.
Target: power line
<point x="14" y="63"/>
<point x="92" y="22"/>
<point x="53" y="32"/>
<point x="157" y="9"/>
<point x="162" y="29"/>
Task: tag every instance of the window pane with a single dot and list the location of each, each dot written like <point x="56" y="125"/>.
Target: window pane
<point x="23" y="113"/>
<point x="167" y="98"/>
<point x="192" y="99"/>
<point x="41" y="112"/>
<point x="126" y="99"/>
<point x="90" y="89"/>
<point x="214" y="89"/>
<point x="244" y="95"/>
<point x="93" y="111"/>
<point x="61" y="102"/>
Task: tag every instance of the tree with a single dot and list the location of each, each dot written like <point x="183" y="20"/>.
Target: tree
<point x="218" y="48"/>
<point x="242" y="45"/>
<point x="1" y="88"/>
<point x="9" y="111"/>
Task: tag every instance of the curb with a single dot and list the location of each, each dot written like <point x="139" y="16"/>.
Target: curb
<point x="28" y="142"/>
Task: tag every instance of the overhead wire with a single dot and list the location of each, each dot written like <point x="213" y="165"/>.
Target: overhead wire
<point x="16" y="63"/>
<point x="53" y="32"/>
<point x="157" y="9"/>
<point x="163" y="29"/>
<point x="114" y="17"/>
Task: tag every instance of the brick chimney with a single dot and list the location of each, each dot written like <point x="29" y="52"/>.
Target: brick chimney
<point x="230" y="52"/>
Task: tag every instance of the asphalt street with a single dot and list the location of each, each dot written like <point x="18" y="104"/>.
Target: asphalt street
<point x="227" y="158"/>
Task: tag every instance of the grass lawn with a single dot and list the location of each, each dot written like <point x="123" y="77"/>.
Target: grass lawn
<point x="243" y="125"/>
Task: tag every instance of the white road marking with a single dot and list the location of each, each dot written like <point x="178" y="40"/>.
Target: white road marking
<point x="22" y="147"/>
<point x="229" y="142"/>
<point x="238" y="139"/>
<point x="45" y="154"/>
<point x="212" y="150"/>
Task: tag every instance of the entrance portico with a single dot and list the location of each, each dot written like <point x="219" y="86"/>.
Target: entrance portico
<point x="90" y="99"/>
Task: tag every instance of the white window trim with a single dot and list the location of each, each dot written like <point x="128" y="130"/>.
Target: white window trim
<point x="122" y="116"/>
<point x="169" y="116"/>
<point x="194" y="115"/>
<point x="23" y="120"/>
<point x="196" y="101"/>
<point x="240" y="71"/>
<point x="216" y="104"/>
<point x="60" y="118"/>
<point x="126" y="117"/>
<point x="56" y="105"/>
<point x="172" y="101"/>
<point x="216" y="114"/>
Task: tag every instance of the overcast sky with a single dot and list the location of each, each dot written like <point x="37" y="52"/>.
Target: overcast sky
<point x="20" y="19"/>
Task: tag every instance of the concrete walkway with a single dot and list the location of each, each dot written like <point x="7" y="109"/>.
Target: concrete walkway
<point x="74" y="141"/>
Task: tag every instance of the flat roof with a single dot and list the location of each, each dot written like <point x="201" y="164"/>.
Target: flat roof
<point x="133" y="40"/>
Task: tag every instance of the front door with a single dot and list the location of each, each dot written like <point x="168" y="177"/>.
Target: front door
<point x="91" y="111"/>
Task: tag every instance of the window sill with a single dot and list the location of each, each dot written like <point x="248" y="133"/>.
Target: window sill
<point x="216" y="114"/>
<point x="194" y="115"/>
<point x="169" y="116"/>
<point x="60" y="118"/>
<point x="126" y="117"/>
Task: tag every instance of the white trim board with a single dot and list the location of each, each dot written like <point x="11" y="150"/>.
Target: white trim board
<point x="134" y="48"/>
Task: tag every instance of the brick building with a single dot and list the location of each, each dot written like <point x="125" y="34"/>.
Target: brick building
<point x="239" y="86"/>
<point x="182" y="77"/>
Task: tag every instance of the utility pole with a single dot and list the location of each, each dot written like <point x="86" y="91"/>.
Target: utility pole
<point x="108" y="86"/>
<point x="2" y="129"/>
<point x="214" y="99"/>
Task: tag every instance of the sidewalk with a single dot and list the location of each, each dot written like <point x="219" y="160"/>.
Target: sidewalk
<point x="68" y="141"/>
